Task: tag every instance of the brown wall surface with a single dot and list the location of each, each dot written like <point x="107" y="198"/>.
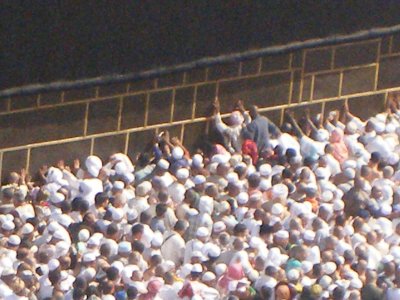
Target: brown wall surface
<point x="43" y="128"/>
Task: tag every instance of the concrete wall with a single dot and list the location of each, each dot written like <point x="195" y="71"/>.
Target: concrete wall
<point x="99" y="120"/>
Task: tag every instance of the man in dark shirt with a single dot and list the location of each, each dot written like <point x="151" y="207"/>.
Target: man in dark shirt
<point x="260" y="129"/>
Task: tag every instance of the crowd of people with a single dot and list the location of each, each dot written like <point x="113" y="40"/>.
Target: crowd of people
<point x="309" y="210"/>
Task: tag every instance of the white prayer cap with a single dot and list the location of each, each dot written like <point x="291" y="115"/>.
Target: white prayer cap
<point x="197" y="268"/>
<point x="322" y="135"/>
<point x="265" y="170"/>
<point x="168" y="265"/>
<point x="220" y="158"/>
<point x="264" y="185"/>
<point x="124" y="247"/>
<point x="387" y="258"/>
<point x="282" y="234"/>
<point x="121" y="168"/>
<point x="327" y="196"/>
<point x="349" y="173"/>
<point x="386" y="209"/>
<point x="343" y="283"/>
<point x="232" y="177"/>
<point x="8" y="225"/>
<point x="202" y="232"/>
<point x="280" y="190"/>
<point x="236" y="117"/>
<point x="177" y="152"/>
<point x="57" y="198"/>
<point x="62" y="248"/>
<point x="309" y="235"/>
<point x="53" y="264"/>
<point x="182" y="173"/>
<point x="224" y="206"/>
<point x="351" y="127"/>
<point x="306" y="266"/>
<point x="117" y="214"/>
<point x="395" y="252"/>
<point x="242" y="198"/>
<point x="192" y="212"/>
<point x="144" y="188"/>
<point x="185" y="270"/>
<point x="94" y="241"/>
<point x="58" y="235"/>
<point x="214" y="251"/>
<point x="235" y="159"/>
<point x="83" y="235"/>
<point x="379" y="127"/>
<point x="14" y="240"/>
<point x="199" y="179"/>
<point x="390" y="128"/>
<point x="157" y="239"/>
<point x="89" y="257"/>
<point x="220" y="269"/>
<point x="197" y="160"/>
<point x="256" y="242"/>
<point x="338" y="205"/>
<point x="129" y="178"/>
<point x="27" y="228"/>
<point x="322" y="173"/>
<point x="277" y="209"/>
<point x="163" y="164"/>
<point x="293" y="274"/>
<point x="356" y="283"/>
<point x="350" y="163"/>
<point x="7" y="272"/>
<point x="325" y="281"/>
<point x="118" y="185"/>
<point x="118" y="265"/>
<point x="393" y="158"/>
<point x="219" y="227"/>
<point x="54" y="175"/>
<point x="93" y="165"/>
<point x="132" y="214"/>
<point x="64" y="220"/>
<point x="329" y="268"/>
<point x="208" y="276"/>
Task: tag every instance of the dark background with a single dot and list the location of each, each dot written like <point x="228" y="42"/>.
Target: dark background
<point x="44" y="41"/>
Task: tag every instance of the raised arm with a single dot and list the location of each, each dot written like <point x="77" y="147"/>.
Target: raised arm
<point x="296" y="128"/>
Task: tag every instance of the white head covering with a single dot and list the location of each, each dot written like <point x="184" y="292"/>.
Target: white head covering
<point x="93" y="165"/>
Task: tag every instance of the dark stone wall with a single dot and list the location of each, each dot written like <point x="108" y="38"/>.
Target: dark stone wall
<point x="43" y="128"/>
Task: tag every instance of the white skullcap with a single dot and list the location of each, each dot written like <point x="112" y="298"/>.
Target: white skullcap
<point x="157" y="239"/>
<point x="93" y="165"/>
<point x="208" y="276"/>
<point x="64" y="220"/>
<point x="7" y="272"/>
<point x="265" y="170"/>
<point x="242" y="198"/>
<point x="356" y="283"/>
<point x="387" y="258"/>
<point x="124" y="247"/>
<point x="192" y="212"/>
<point x="202" y="232"/>
<point x="118" y="265"/>
<point x="390" y="128"/>
<point x="185" y="270"/>
<point x="57" y="198"/>
<point x="309" y="235"/>
<point x="214" y="251"/>
<point x="277" y="209"/>
<point x="8" y="225"/>
<point x="132" y="214"/>
<point x="89" y="257"/>
<point x="219" y="227"/>
<point x="351" y="127"/>
<point x="386" y="209"/>
<point x="395" y="252"/>
<point x="393" y="158"/>
<point x="129" y="177"/>
<point x="144" y="188"/>
<point x="94" y="241"/>
<point x="256" y="242"/>
<point x="121" y="168"/>
<point x="349" y="173"/>
<point x="322" y="173"/>
<point x="282" y="234"/>
<point x="168" y="265"/>
<point x="350" y="163"/>
<point x="199" y="179"/>
<point x="220" y="158"/>
<point x="177" y="153"/>
<point x="14" y="240"/>
<point x="306" y="266"/>
<point x="62" y="248"/>
<point x="325" y="281"/>
<point x="58" y="235"/>
<point x="224" y="206"/>
<point x="117" y="214"/>
<point x="322" y="135"/>
<point x="379" y="127"/>
<point x="118" y="185"/>
<point x="83" y="235"/>
<point x="197" y="268"/>
<point x="327" y="196"/>
<point x="264" y="185"/>
<point x="220" y="269"/>
<point x="293" y="274"/>
<point x="54" y="175"/>
<point x="236" y="117"/>
<point x="27" y="228"/>
<point x="280" y="190"/>
<point x="53" y="264"/>
<point x="338" y="205"/>
<point x="197" y="160"/>
<point x="163" y="164"/>
<point x="232" y="177"/>
<point x="182" y="173"/>
<point x="329" y="268"/>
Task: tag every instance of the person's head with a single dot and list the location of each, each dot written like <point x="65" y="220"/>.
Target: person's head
<point x="253" y="111"/>
<point x="161" y="209"/>
<point x="180" y="227"/>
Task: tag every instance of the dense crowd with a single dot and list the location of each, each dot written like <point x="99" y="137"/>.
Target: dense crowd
<point x="306" y="211"/>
